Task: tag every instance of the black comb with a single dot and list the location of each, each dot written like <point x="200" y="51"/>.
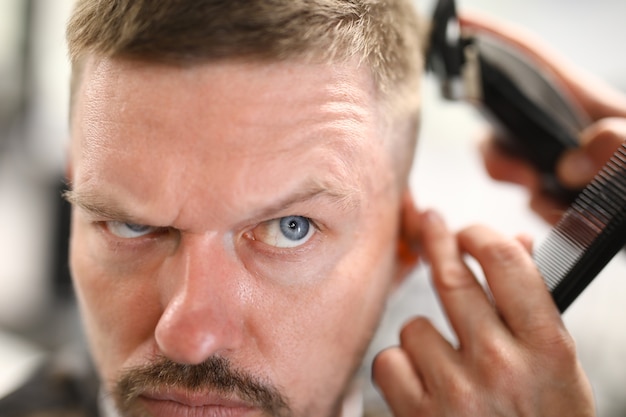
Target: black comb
<point x="590" y="233"/>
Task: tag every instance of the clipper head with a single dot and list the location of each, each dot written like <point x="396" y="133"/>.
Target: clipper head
<point x="452" y="57"/>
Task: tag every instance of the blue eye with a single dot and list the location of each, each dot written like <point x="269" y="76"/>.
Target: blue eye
<point x="129" y="230"/>
<point x="285" y="232"/>
<point x="294" y="228"/>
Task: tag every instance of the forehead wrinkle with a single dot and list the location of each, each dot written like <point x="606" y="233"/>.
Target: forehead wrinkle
<point x="335" y="118"/>
<point x="263" y="188"/>
<point x="344" y="198"/>
<point x="252" y="195"/>
<point x="343" y="97"/>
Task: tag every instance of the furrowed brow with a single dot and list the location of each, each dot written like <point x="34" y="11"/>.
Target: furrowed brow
<point x="96" y="206"/>
<point x="344" y="198"/>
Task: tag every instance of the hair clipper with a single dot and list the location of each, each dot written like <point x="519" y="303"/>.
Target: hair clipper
<point x="534" y="118"/>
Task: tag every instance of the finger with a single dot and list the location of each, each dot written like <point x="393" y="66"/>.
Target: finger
<point x="520" y="295"/>
<point x="526" y="241"/>
<point x="548" y="208"/>
<point x="463" y="299"/>
<point x="576" y="169"/>
<point x="599" y="141"/>
<point x="401" y="387"/>
<point x="432" y="356"/>
<point x="597" y="98"/>
<point x="607" y="134"/>
<point x="503" y="166"/>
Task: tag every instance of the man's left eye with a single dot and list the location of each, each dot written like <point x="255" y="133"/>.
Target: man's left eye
<point x="285" y="232"/>
<point x="129" y="230"/>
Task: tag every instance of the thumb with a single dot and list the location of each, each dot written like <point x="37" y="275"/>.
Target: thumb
<point x="598" y="143"/>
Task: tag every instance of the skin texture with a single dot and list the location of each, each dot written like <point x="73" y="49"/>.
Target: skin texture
<point x="178" y="177"/>
<point x="208" y="157"/>
<point x="514" y="357"/>
<point x="605" y="106"/>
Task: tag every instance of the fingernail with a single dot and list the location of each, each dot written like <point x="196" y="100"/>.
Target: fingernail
<point x="577" y="169"/>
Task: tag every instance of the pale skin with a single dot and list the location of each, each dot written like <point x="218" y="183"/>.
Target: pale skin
<point x="208" y="157"/>
<point x="179" y="176"/>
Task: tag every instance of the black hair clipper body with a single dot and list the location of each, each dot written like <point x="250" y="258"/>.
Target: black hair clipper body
<point x="534" y="118"/>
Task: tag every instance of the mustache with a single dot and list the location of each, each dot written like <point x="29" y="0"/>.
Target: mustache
<point x="215" y="374"/>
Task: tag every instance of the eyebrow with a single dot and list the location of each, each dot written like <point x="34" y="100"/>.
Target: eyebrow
<point x="345" y="198"/>
<point x="96" y="205"/>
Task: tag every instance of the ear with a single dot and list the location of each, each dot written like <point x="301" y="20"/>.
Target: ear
<point x="68" y="173"/>
<point x="69" y="168"/>
<point x="408" y="238"/>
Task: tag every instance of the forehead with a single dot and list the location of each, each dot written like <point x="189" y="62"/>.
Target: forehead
<point x="235" y="81"/>
<point x="241" y="127"/>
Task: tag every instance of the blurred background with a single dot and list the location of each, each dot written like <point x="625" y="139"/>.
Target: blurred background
<point x="34" y="289"/>
<point x="37" y="315"/>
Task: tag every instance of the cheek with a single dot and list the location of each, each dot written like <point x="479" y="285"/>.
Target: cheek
<point x="365" y="282"/>
<point x="119" y="311"/>
<point x="322" y="331"/>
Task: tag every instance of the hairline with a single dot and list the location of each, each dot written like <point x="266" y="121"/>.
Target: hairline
<point x="388" y="98"/>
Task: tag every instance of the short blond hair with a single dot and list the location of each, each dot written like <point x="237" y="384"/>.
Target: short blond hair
<point x="383" y="34"/>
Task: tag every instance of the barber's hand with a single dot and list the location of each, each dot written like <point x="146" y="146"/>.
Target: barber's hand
<point x="605" y="105"/>
<point x="514" y="356"/>
<point x="575" y="169"/>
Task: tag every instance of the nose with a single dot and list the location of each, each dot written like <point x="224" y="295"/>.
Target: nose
<point x="204" y="310"/>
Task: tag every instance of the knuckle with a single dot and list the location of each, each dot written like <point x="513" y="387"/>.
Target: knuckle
<point x="461" y="395"/>
<point x="494" y="353"/>
<point x="495" y="360"/>
<point x="556" y="343"/>
<point x="452" y="276"/>
<point x="504" y="251"/>
<point x="555" y="354"/>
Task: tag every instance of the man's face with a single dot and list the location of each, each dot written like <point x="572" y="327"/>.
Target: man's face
<point x="234" y="233"/>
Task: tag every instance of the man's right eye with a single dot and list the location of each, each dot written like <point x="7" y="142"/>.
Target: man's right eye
<point x="129" y="230"/>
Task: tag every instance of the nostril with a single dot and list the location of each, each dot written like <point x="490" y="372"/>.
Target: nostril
<point x="190" y="335"/>
<point x="184" y="339"/>
<point x="185" y="346"/>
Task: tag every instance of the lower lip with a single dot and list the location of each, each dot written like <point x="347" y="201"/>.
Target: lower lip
<point x="166" y="408"/>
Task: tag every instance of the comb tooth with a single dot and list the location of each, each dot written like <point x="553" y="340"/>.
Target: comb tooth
<point x="588" y="235"/>
<point x="558" y="253"/>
